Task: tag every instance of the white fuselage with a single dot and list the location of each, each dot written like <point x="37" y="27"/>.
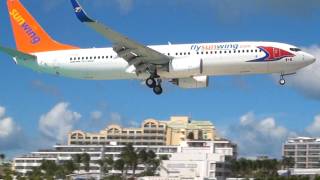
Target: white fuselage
<point x="214" y="58"/>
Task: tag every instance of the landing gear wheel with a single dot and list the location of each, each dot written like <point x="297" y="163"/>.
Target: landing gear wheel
<point x="151" y="82"/>
<point x="157" y="90"/>
<point x="282" y="81"/>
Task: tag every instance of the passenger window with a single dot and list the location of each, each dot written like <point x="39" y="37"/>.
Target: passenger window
<point x="168" y="54"/>
<point x="180" y="54"/>
<point x="197" y="52"/>
<point x="185" y="53"/>
<point x="230" y="52"/>
<point x="207" y="52"/>
<point x="201" y="52"/>
<point x="111" y="57"/>
<point x="176" y="54"/>
<point x="188" y="53"/>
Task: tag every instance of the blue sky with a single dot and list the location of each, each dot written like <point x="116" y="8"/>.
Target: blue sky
<point x="239" y="106"/>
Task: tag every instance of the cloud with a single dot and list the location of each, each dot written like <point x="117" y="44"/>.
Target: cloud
<point x="96" y="115"/>
<point x="125" y="5"/>
<point x="314" y="128"/>
<point x="60" y="120"/>
<point x="115" y="118"/>
<point x="49" y="89"/>
<point x="307" y="80"/>
<point x="11" y="136"/>
<point x="258" y="136"/>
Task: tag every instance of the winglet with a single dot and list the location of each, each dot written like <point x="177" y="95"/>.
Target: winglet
<point x="81" y="14"/>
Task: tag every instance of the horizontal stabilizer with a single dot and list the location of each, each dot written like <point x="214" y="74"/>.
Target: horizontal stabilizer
<point x="17" y="54"/>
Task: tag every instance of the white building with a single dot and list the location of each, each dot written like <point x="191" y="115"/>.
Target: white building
<point x="304" y="150"/>
<point x="62" y="153"/>
<point x="200" y="160"/>
<point x="203" y="158"/>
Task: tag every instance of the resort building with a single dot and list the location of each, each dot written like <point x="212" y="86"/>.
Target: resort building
<point x="191" y="146"/>
<point x="304" y="150"/>
<point x="152" y="132"/>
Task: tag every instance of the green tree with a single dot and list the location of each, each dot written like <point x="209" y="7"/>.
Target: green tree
<point x="35" y="174"/>
<point x="49" y="168"/>
<point x="85" y="159"/>
<point x="287" y="163"/>
<point x="120" y="166"/>
<point x="130" y="158"/>
<point x="2" y="157"/>
<point x="77" y="160"/>
<point x="106" y="164"/>
<point x="69" y="167"/>
<point x="190" y="136"/>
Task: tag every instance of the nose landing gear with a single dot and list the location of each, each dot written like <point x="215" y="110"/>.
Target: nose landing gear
<point x="282" y="81"/>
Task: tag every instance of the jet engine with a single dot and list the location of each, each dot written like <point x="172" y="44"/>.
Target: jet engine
<point x="192" y="82"/>
<point x="183" y="67"/>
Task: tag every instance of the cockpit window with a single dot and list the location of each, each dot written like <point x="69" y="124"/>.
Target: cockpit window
<point x="295" y="49"/>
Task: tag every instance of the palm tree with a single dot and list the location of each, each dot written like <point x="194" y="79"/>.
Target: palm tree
<point x="77" y="160"/>
<point x="85" y="159"/>
<point x="130" y="158"/>
<point x="106" y="164"/>
<point x="287" y="162"/>
<point x="120" y="166"/>
<point x="69" y="167"/>
<point x="190" y="136"/>
<point x="50" y="168"/>
<point x="2" y="157"/>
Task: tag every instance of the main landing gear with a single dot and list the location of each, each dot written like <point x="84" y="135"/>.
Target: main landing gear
<point x="154" y="82"/>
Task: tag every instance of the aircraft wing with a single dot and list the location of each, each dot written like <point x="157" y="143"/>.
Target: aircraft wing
<point x="17" y="54"/>
<point x="136" y="54"/>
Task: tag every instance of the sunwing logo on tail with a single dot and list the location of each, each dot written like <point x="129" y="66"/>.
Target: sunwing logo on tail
<point x="25" y="26"/>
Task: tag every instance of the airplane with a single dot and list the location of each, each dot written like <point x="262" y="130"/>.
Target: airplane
<point x="185" y="65"/>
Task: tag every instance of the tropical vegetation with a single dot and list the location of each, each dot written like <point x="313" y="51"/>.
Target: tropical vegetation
<point x="127" y="163"/>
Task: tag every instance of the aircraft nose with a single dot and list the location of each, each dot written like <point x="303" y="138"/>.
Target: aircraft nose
<point x="310" y="58"/>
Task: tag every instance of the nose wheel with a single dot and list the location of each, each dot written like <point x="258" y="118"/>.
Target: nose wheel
<point x="282" y="81"/>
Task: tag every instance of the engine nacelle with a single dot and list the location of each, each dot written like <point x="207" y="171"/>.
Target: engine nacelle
<point x="186" y="67"/>
<point x="193" y="82"/>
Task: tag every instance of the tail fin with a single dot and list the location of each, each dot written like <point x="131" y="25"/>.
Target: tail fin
<point x="28" y="34"/>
